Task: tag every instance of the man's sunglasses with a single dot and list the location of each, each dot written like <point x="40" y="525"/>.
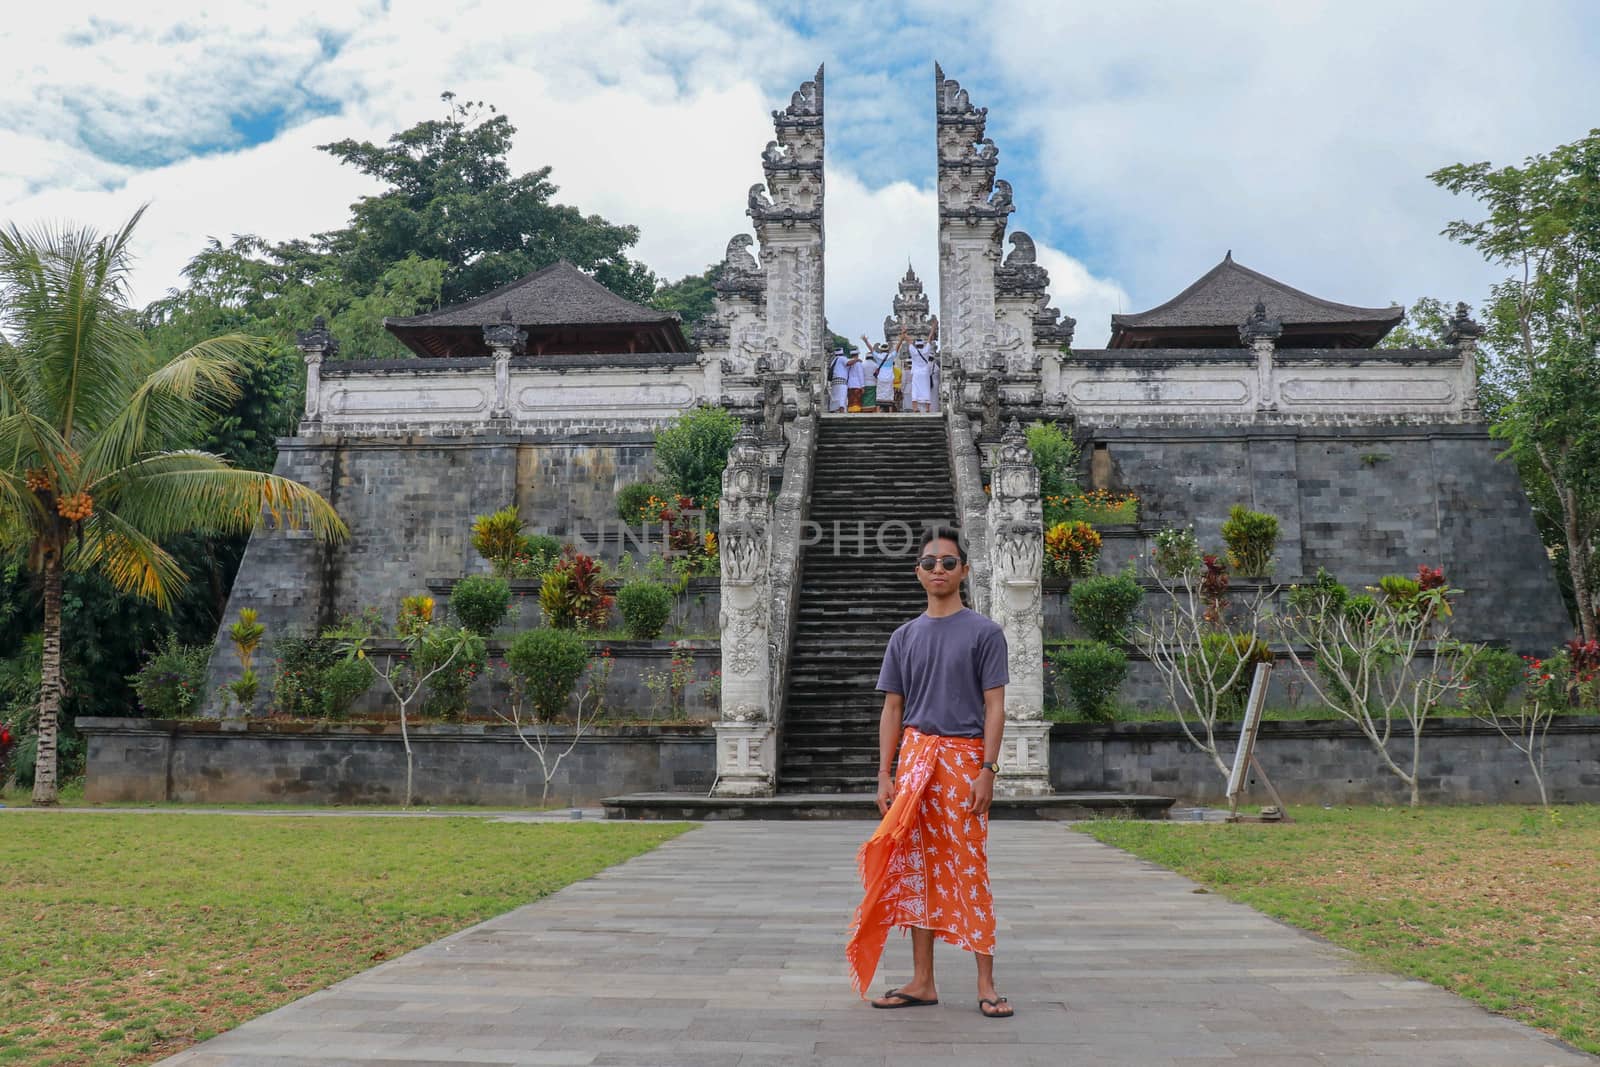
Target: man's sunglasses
<point x="949" y="563"/>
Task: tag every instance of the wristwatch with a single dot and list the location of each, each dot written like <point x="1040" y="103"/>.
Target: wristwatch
<point x="995" y="767"/>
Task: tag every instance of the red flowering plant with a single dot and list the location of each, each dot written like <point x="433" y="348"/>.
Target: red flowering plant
<point x="1214" y="588"/>
<point x="1583" y="660"/>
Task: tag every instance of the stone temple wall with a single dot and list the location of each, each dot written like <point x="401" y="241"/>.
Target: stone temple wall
<point x="1362" y="502"/>
<point x="409" y="503"/>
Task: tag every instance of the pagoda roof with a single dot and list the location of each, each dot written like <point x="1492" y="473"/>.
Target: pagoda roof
<point x="557" y="303"/>
<point x="1209" y="313"/>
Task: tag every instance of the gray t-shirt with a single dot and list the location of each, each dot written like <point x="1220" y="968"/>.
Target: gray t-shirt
<point x="942" y="666"/>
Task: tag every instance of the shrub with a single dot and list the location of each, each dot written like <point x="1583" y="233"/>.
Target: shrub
<point x="573" y="594"/>
<point x="480" y="602"/>
<point x="535" y="557"/>
<point x="1322" y="595"/>
<point x="171" y="681"/>
<point x="1093" y="672"/>
<point x="1251" y="537"/>
<point x="1495" y="673"/>
<point x="416" y="615"/>
<point x="1056" y="456"/>
<point x="498" y="537"/>
<point x="1398" y="589"/>
<point x="1176" y="551"/>
<point x="447" y="690"/>
<point x="546" y="664"/>
<point x="692" y="452"/>
<point x="645" y="608"/>
<point x="1221" y="652"/>
<point x="1104" y="604"/>
<point x="1071" y="549"/>
<point x="631" y="499"/>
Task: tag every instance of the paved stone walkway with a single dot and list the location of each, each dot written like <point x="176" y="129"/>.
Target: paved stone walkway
<point x="724" y="948"/>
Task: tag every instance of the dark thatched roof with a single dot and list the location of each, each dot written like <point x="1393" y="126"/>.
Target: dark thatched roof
<point x="1209" y="313"/>
<point x="560" y="307"/>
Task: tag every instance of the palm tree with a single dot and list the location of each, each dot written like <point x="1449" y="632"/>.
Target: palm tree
<point x="92" y="473"/>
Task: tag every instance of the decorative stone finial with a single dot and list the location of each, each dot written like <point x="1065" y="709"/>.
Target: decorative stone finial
<point x="1462" y="328"/>
<point x="1258" y="327"/>
<point x="316" y="340"/>
<point x="504" y="336"/>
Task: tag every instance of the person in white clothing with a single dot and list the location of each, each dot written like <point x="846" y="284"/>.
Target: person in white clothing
<point x="838" y="372"/>
<point x="879" y="394"/>
<point x="921" y="359"/>
<point x="855" y="382"/>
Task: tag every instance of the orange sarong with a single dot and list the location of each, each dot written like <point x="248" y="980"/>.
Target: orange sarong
<point x="927" y="864"/>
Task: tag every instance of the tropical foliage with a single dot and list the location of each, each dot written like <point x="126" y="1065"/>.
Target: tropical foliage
<point x="93" y="475"/>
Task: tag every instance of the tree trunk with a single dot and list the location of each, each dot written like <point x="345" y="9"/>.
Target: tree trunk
<point x="1577" y="564"/>
<point x="50" y="686"/>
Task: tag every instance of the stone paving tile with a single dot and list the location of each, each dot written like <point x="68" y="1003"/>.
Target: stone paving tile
<point x="725" y="947"/>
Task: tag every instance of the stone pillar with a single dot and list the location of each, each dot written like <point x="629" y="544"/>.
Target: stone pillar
<point x="1260" y="334"/>
<point x="746" y="743"/>
<point x="972" y="220"/>
<point x="314" y="344"/>
<point x="503" y="338"/>
<point x="787" y="213"/>
<point x="1016" y="553"/>
<point x="1463" y="335"/>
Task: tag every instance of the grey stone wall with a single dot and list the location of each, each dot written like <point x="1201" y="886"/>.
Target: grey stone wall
<point x="145" y="760"/>
<point x="1463" y="762"/>
<point x="1360" y="501"/>
<point x="409" y="503"/>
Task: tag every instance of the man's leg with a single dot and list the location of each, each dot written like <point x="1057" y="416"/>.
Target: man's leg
<point x="986" y="989"/>
<point x="921" y="985"/>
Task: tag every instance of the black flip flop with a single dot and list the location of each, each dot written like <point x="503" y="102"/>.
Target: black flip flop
<point x="906" y="1001"/>
<point x="995" y="1003"/>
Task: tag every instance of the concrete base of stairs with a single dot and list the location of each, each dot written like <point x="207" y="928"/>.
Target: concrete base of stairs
<point x="696" y="807"/>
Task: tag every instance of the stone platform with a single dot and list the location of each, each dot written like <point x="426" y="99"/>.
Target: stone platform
<point x="691" y="806"/>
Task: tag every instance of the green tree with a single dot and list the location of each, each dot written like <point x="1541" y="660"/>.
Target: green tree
<point x="451" y="197"/>
<point x="1542" y="223"/>
<point x="691" y="296"/>
<point x="89" y="412"/>
<point x="1423" y="326"/>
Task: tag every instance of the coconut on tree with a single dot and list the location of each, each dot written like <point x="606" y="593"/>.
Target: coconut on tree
<point x="93" y="475"/>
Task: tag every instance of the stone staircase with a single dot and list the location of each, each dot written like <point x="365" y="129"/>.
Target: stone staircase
<point x="870" y="470"/>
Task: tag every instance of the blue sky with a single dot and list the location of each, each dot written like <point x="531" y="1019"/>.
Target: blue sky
<point x="1143" y="139"/>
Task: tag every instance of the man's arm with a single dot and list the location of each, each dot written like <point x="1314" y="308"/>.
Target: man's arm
<point x="894" y="706"/>
<point x="994" y="728"/>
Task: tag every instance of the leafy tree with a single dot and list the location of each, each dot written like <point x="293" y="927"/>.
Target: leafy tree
<point x="451" y="197"/>
<point x="1542" y="223"/>
<point x="89" y="412"/>
<point x="1423" y="326"/>
<point x="691" y="296"/>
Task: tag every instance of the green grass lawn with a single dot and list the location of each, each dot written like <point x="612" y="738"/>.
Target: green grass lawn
<point x="124" y="938"/>
<point x="1500" y="904"/>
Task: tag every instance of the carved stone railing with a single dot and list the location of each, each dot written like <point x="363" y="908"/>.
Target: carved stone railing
<point x="1313" y="386"/>
<point x="1016" y="555"/>
<point x="761" y="544"/>
<point x="746" y="756"/>
<point x="577" y="393"/>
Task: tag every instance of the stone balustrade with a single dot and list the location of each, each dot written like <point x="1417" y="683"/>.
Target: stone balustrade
<point x="605" y="393"/>
<point x="1322" y="386"/>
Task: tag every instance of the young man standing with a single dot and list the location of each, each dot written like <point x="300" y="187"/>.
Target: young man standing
<point x="926" y="867"/>
<point x="856" y="370"/>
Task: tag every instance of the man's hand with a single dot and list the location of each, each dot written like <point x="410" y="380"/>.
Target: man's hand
<point x="885" y="792"/>
<point x="981" y="794"/>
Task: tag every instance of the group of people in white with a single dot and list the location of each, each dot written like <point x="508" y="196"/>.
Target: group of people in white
<point x="884" y="378"/>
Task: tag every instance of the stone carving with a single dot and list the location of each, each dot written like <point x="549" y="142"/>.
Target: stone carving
<point x="910" y="311"/>
<point x="759" y="203"/>
<point x="744" y="619"/>
<point x="989" y="405"/>
<point x="314" y="344"/>
<point x="1016" y="554"/>
<point x="804" y="399"/>
<point x="1259" y="327"/>
<point x="771" y="408"/>
<point x="1463" y="335"/>
<point x="737" y="259"/>
<point x="504" y="339"/>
